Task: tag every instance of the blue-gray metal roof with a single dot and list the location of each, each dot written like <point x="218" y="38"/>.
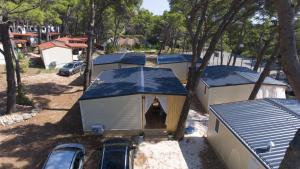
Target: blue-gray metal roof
<point x="175" y="58"/>
<point x="257" y="122"/>
<point x="135" y="80"/>
<point x="126" y="58"/>
<point x="215" y="76"/>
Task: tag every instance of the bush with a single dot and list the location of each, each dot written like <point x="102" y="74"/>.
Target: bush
<point x="110" y="48"/>
<point x="23" y="62"/>
<point x="22" y="99"/>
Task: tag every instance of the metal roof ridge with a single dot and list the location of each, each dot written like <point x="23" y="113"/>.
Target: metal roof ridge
<point x="282" y="107"/>
<point x="238" y="73"/>
<point x="122" y="57"/>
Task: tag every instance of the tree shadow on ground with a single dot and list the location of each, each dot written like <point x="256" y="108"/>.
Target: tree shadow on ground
<point x="77" y="82"/>
<point x="31" y="143"/>
<point x="197" y="148"/>
<point x="47" y="88"/>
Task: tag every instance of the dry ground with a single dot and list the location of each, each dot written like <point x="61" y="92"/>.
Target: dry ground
<point x="26" y="145"/>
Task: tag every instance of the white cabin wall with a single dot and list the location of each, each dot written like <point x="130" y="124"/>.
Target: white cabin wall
<point x="58" y="55"/>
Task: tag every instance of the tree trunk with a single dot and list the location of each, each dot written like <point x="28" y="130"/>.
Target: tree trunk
<point x="230" y="58"/>
<point x="264" y="74"/>
<point x="18" y="72"/>
<point x="292" y="155"/>
<point x="88" y="68"/>
<point x="66" y="22"/>
<point x="166" y="39"/>
<point x="117" y="24"/>
<point x="10" y="73"/>
<point x="39" y="34"/>
<point x="263" y="51"/>
<point x="47" y="33"/>
<point x="222" y="52"/>
<point x="291" y="68"/>
<point x="196" y="73"/>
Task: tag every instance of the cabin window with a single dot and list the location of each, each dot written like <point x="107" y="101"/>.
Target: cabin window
<point x="217" y="125"/>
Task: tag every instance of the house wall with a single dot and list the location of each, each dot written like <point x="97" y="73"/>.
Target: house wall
<point x="271" y="91"/>
<point x="115" y="113"/>
<point x="203" y="94"/>
<point x="229" y="149"/>
<point x="97" y="69"/>
<point x="175" y="104"/>
<point x="180" y="70"/>
<point x="58" y="56"/>
<point x="2" y="60"/>
<point x="124" y="113"/>
<point x="227" y="94"/>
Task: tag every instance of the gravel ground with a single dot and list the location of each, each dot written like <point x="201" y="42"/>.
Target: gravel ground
<point x="193" y="152"/>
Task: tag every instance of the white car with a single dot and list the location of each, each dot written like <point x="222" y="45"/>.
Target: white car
<point x="66" y="156"/>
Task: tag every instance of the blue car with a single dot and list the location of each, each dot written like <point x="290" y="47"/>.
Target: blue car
<point x="117" y="154"/>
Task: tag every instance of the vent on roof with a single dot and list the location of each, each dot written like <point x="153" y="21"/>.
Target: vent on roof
<point x="269" y="148"/>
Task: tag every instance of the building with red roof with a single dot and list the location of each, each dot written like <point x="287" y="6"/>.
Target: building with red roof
<point x="55" y="54"/>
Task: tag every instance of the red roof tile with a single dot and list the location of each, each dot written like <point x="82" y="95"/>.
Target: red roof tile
<point x="48" y="45"/>
<point x="77" y="45"/>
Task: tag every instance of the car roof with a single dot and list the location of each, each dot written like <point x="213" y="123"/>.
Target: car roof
<point x="60" y="159"/>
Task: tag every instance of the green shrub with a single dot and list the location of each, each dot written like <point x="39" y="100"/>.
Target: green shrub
<point x="23" y="62"/>
<point x="22" y="99"/>
<point x="110" y="48"/>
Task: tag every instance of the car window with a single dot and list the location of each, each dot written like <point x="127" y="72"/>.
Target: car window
<point x="114" y="159"/>
<point x="77" y="161"/>
<point x="69" y="65"/>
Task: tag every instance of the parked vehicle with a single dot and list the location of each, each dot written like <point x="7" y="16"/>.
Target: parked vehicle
<point x="66" y="156"/>
<point x="71" y="68"/>
<point x="117" y="154"/>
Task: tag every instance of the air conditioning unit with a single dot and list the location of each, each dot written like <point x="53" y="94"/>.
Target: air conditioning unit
<point x="97" y="129"/>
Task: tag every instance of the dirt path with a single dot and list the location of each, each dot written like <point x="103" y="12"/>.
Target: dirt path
<point x="27" y="144"/>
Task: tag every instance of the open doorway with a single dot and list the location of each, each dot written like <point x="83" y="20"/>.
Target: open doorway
<point x="155" y="116"/>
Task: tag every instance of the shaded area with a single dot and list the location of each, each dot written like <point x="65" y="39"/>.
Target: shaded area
<point x="31" y="143"/>
<point x="49" y="88"/>
<point x="155" y="116"/>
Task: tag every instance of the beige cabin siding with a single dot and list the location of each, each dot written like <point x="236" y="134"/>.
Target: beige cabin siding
<point x="58" y="56"/>
<point x="115" y="113"/>
<point x="227" y="94"/>
<point x="203" y="94"/>
<point x="228" y="148"/>
<point x="175" y="104"/>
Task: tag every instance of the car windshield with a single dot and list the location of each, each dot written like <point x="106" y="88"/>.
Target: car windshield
<point x="60" y="159"/>
<point x="69" y="65"/>
<point x="114" y="159"/>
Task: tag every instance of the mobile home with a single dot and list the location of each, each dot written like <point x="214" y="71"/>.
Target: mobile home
<point x="224" y="84"/>
<point x="253" y="134"/>
<point x="133" y="99"/>
<point x="117" y="61"/>
<point x="179" y="63"/>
